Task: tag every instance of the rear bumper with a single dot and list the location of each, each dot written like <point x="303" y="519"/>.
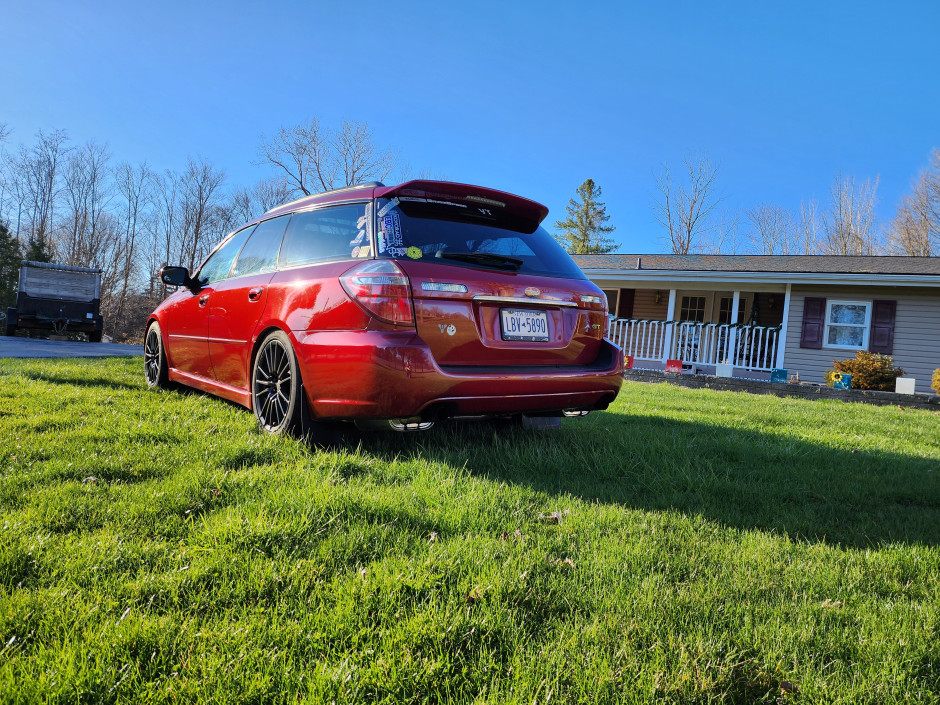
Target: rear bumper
<point x="370" y="374"/>
<point x="57" y="314"/>
<point x="42" y="322"/>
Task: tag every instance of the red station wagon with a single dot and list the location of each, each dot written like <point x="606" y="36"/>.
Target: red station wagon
<point x="409" y="303"/>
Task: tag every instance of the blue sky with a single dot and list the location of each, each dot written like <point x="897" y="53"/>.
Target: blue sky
<point x="528" y="97"/>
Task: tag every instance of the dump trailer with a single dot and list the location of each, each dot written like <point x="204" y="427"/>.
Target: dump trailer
<point x="57" y="298"/>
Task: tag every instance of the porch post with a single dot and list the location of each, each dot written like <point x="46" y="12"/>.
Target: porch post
<point x="733" y="332"/>
<point x="782" y="336"/>
<point x="670" y="333"/>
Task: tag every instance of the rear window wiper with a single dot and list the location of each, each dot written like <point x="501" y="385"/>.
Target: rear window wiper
<point x="487" y="259"/>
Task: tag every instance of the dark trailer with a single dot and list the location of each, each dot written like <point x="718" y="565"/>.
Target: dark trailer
<point x="57" y="298"/>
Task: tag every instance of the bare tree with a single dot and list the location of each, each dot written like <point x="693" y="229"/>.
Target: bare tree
<point x="358" y="157"/>
<point x="35" y="175"/>
<point x="15" y="191"/>
<point x="405" y="172"/>
<point x="684" y="209"/>
<point x="110" y="251"/>
<point x="808" y="229"/>
<point x="164" y="191"/>
<point x="133" y="183"/>
<point x="86" y="194"/>
<point x="911" y="231"/>
<point x="5" y="181"/>
<point x="249" y="203"/>
<point x="848" y="227"/>
<point x="302" y="153"/>
<point x="314" y="158"/>
<point x="915" y="229"/>
<point x="772" y="230"/>
<point x="200" y="202"/>
<point x="721" y="238"/>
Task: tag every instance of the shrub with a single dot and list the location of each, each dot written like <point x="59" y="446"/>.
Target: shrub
<point x="869" y="371"/>
<point x="935" y="384"/>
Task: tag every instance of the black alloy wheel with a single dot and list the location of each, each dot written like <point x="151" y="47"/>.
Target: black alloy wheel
<point x="276" y="393"/>
<point x="155" y="365"/>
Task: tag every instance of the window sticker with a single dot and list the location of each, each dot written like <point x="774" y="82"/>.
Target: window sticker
<point x="359" y="237"/>
<point x="447" y="203"/>
<point x="365" y="222"/>
<point x="414" y="252"/>
<point x="391" y="225"/>
<point x="355" y="252"/>
<point x="364" y="251"/>
<point x="388" y="206"/>
<point x="397" y="251"/>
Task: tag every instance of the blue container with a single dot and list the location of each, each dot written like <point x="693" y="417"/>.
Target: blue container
<point x="778" y="375"/>
<point x="842" y="380"/>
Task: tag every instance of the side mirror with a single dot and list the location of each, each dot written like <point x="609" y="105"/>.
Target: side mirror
<point x="176" y="276"/>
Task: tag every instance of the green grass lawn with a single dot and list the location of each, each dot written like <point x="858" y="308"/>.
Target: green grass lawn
<point x="686" y="546"/>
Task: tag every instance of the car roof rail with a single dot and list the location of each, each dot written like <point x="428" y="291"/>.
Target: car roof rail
<point x="364" y="184"/>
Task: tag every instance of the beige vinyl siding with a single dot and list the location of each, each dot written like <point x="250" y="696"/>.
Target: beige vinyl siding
<point x="645" y="306"/>
<point x="916" y="332"/>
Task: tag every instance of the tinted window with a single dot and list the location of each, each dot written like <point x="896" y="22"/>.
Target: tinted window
<point x="218" y="265"/>
<point x="465" y="236"/>
<point x="327" y="234"/>
<point x="260" y="252"/>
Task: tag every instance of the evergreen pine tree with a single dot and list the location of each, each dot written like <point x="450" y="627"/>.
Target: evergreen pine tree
<point x="584" y="231"/>
<point x="10" y="257"/>
<point x="38" y="249"/>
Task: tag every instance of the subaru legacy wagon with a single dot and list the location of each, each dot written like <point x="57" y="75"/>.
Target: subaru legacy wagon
<point x="408" y="304"/>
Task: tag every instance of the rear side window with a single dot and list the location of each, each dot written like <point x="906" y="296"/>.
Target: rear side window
<point x="219" y="263"/>
<point x="260" y="252"/>
<point x="467" y="236"/>
<point x="327" y="234"/>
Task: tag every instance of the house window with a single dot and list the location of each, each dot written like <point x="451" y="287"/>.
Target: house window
<point x="847" y="324"/>
<point x="725" y="306"/>
<point x="692" y="309"/>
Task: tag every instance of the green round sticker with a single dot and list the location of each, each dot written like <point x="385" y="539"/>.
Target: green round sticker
<point x="414" y="252"/>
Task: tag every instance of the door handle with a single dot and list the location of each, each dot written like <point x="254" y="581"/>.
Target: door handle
<point x="255" y="294"/>
<point x="203" y="300"/>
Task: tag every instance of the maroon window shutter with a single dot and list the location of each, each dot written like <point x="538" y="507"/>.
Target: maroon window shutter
<point x="814" y="322"/>
<point x="881" y="334"/>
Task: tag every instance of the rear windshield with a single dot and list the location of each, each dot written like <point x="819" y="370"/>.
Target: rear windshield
<point x="465" y="235"/>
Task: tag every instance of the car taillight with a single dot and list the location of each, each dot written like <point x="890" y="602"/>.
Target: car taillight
<point x="382" y="289"/>
<point x="597" y="303"/>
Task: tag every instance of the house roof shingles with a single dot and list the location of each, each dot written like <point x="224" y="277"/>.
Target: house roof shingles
<point x="811" y="264"/>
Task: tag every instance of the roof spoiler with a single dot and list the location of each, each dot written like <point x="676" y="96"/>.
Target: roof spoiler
<point x="473" y="195"/>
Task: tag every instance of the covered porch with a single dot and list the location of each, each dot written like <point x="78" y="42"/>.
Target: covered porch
<point x="711" y="330"/>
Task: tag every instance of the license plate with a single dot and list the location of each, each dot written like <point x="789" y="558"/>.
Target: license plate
<point x="521" y="324"/>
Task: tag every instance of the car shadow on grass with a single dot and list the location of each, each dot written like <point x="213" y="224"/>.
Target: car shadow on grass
<point x="103" y="382"/>
<point x="740" y="478"/>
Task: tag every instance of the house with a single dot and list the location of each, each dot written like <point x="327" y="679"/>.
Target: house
<point x="750" y="314"/>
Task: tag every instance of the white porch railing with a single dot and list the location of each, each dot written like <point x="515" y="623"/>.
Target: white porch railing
<point x="744" y="346"/>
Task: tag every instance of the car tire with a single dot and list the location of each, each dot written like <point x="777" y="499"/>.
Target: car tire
<point x="286" y="410"/>
<point x="277" y="395"/>
<point x="156" y="369"/>
<point x="94" y="337"/>
<point x="11" y="330"/>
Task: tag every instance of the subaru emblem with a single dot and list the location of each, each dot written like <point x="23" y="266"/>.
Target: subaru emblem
<point x="533" y="292"/>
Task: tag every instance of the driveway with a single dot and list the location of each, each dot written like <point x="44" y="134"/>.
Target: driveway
<point x="36" y="347"/>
